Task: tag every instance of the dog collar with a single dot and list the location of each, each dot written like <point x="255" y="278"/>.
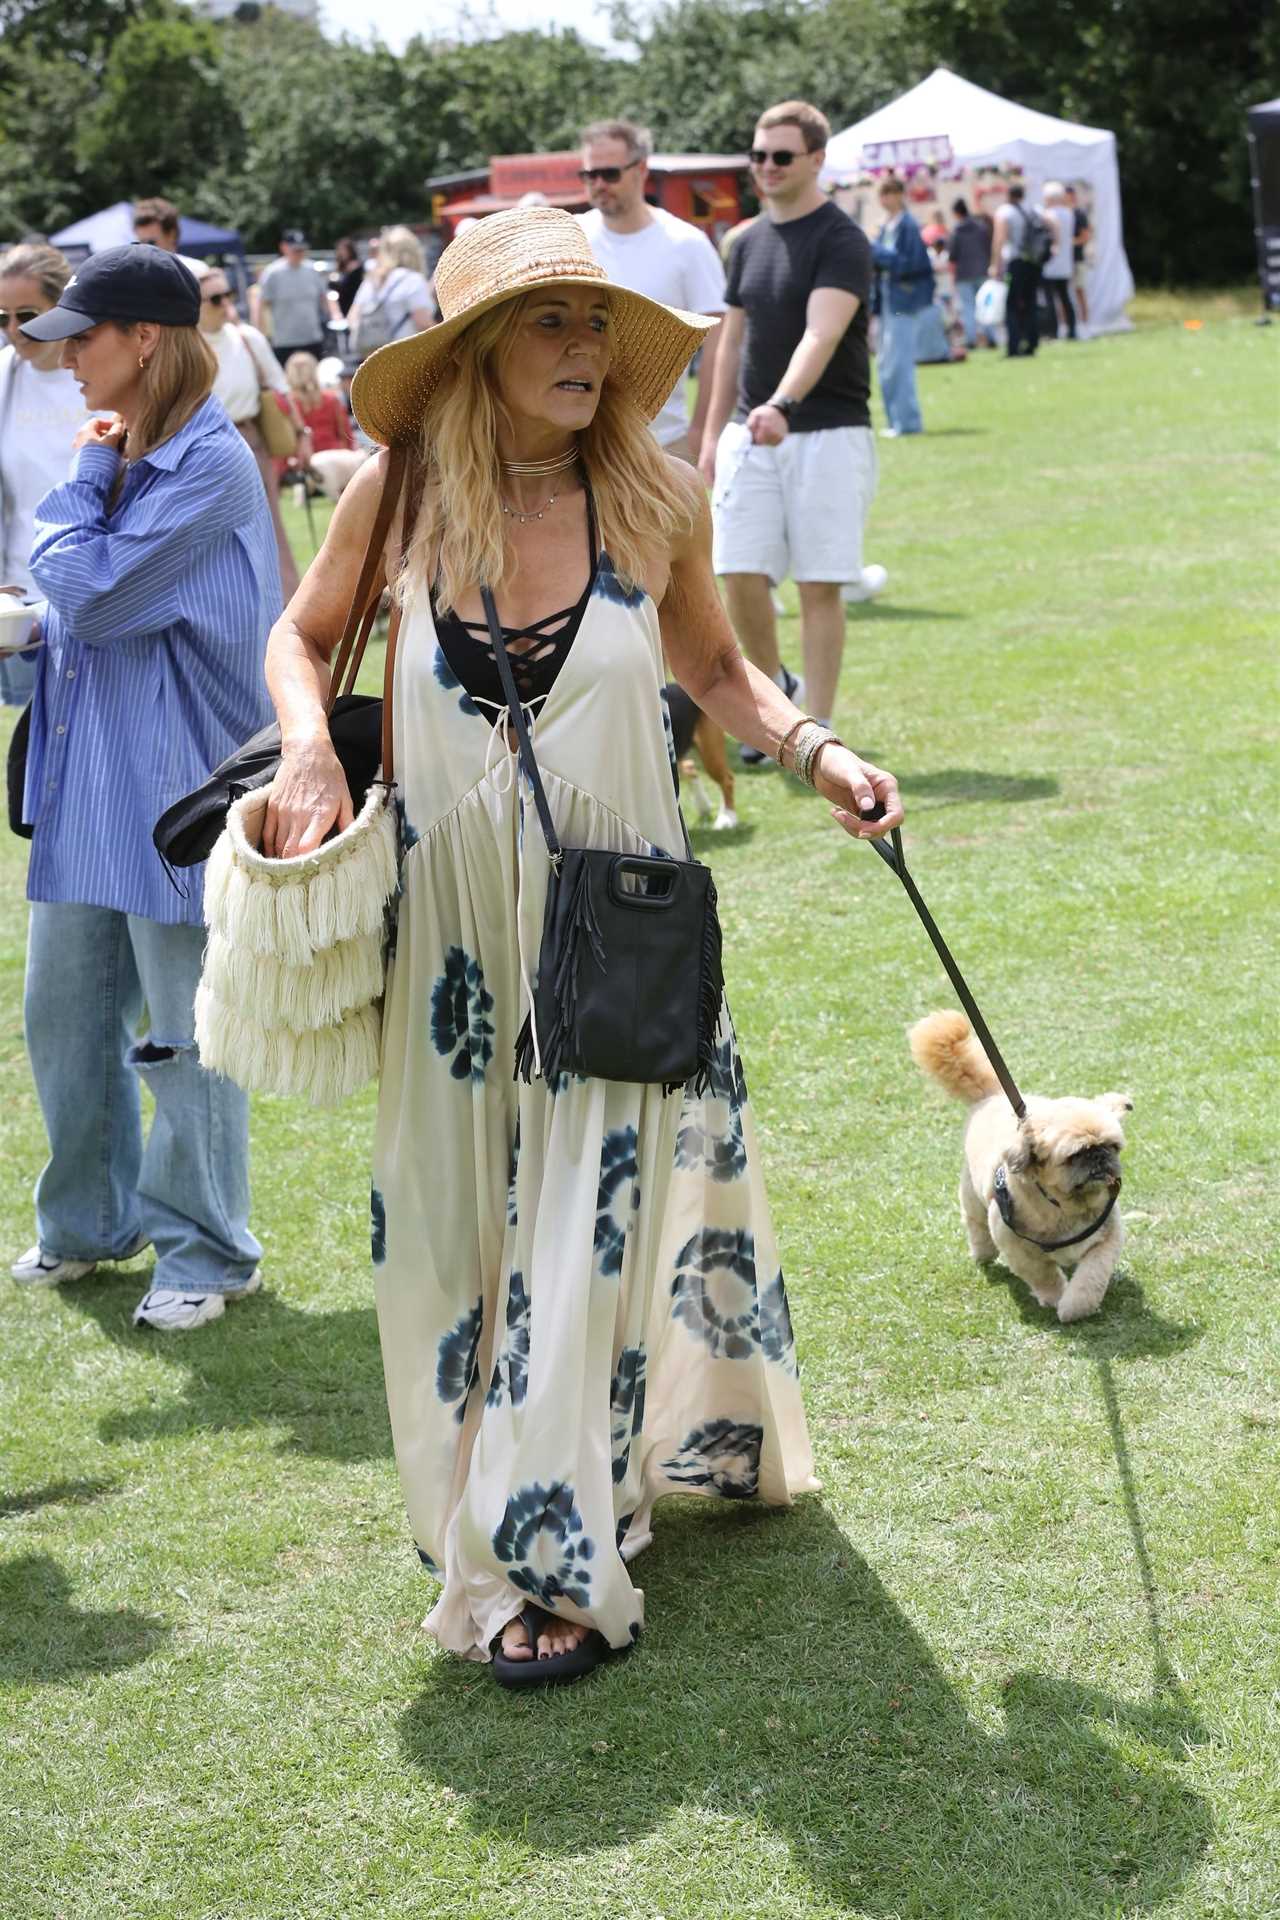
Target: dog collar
<point x="1004" y="1200"/>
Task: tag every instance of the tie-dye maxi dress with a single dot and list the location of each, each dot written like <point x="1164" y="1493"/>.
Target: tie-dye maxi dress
<point x="579" y="1296"/>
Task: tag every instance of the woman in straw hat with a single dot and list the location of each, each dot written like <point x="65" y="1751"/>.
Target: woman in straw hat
<point x="579" y="1295"/>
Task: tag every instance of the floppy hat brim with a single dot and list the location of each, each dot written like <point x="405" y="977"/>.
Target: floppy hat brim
<point x="652" y="345"/>
<point x="59" y="323"/>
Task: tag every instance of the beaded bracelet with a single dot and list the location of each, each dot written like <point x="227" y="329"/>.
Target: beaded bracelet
<point x="812" y="739"/>
<point x="786" y="739"/>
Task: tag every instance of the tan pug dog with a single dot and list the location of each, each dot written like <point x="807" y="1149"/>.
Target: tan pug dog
<point x="1040" y="1193"/>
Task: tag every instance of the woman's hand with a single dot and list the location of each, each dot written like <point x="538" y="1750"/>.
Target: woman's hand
<point x="308" y="796"/>
<point x="101" y="433"/>
<point x="855" y="788"/>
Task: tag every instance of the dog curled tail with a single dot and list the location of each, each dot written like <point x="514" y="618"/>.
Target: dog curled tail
<point x="944" y="1046"/>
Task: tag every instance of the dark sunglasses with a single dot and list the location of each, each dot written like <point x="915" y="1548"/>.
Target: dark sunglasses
<point x="216" y="299"/>
<point x="609" y="176"/>
<point x="781" y="157"/>
<point x="20" y="314"/>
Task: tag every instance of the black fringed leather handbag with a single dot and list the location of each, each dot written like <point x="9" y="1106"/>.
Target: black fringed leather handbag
<point x="629" y="970"/>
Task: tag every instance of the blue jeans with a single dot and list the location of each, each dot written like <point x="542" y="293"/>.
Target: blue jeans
<point x="967" y="294"/>
<point x="17" y="679"/>
<point x="897" y="364"/>
<point x="90" y="971"/>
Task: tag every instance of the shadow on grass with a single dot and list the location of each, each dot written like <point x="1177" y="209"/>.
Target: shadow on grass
<point x="878" y="610"/>
<point x="44" y="1637"/>
<point x="319" y="1375"/>
<point x="706" y="839"/>
<point x="779" y="1685"/>
<point x="1126" y="1328"/>
<point x="57" y="1493"/>
<point x="962" y="786"/>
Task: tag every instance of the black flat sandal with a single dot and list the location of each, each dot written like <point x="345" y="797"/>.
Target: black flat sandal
<point x="559" y="1667"/>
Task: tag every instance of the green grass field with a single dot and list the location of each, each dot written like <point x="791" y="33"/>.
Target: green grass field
<point x="1020" y="1660"/>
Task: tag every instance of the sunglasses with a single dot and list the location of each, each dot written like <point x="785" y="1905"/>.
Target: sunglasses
<point x="20" y="314"/>
<point x="780" y="157"/>
<point x="216" y="299"/>
<point x="608" y="176"/>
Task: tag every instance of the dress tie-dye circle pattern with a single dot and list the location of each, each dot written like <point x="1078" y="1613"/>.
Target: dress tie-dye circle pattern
<point x="580" y="1300"/>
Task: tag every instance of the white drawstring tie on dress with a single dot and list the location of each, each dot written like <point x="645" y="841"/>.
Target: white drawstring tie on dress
<point x="502" y="776"/>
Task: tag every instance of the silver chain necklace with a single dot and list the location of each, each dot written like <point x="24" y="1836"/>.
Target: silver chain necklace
<point x="514" y="513"/>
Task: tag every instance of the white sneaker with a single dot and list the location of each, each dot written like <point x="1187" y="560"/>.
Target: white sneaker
<point x="171" y="1312"/>
<point x="872" y="584"/>
<point x="40" y="1269"/>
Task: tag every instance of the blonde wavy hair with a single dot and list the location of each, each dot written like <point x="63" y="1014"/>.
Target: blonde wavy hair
<point x="398" y="247"/>
<point x="180" y="375"/>
<point x="302" y="370"/>
<point x="642" y="498"/>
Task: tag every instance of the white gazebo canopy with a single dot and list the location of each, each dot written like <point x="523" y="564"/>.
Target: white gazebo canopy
<point x="983" y="130"/>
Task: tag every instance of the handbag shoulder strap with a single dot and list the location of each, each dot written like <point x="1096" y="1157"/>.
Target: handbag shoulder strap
<point x="527" y="758"/>
<point x="245" y="336"/>
<point x="368" y="594"/>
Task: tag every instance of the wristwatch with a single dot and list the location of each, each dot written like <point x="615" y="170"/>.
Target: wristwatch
<point x="785" y="405"/>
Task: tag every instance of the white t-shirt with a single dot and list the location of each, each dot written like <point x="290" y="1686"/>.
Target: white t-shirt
<point x="242" y="370"/>
<point x="40" y="415"/>
<point x="402" y="294"/>
<point x="1060" y="262"/>
<point x="668" y="260"/>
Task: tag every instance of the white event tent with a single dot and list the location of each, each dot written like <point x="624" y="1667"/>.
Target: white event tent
<point x="982" y="130"/>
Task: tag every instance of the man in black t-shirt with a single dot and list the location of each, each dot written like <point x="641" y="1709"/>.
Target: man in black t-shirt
<point x="788" y="446"/>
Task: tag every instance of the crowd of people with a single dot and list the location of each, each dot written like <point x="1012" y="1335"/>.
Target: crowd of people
<point x="529" y="1238"/>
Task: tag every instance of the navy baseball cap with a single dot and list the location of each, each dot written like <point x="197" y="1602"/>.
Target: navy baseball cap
<point x="121" y="283"/>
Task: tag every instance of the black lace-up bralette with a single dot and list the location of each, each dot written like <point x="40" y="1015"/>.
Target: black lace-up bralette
<point x="536" y="652"/>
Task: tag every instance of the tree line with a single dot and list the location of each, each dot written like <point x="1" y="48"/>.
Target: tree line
<point x="260" y="122"/>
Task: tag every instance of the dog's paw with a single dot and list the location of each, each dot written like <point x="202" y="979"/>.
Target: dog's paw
<point x="724" y="821"/>
<point x="1078" y="1306"/>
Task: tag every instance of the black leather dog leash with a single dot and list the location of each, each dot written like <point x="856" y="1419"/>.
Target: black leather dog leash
<point x="896" y="861"/>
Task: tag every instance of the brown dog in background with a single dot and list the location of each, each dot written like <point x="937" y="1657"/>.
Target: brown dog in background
<point x="1031" y="1185"/>
<point x="690" y="728"/>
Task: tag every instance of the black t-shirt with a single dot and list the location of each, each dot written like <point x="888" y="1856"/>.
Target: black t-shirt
<point x="773" y="268"/>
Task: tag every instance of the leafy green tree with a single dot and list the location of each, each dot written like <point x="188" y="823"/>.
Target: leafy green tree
<point x="706" y="69"/>
<point x="517" y="93"/>
<point x="165" y="117"/>
<point x="326" y="142"/>
<point x="53" y="54"/>
<point x="1171" y="82"/>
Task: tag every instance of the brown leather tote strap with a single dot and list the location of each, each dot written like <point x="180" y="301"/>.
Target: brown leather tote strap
<point x="388" y="682"/>
<point x="368" y="593"/>
<point x="413" y="484"/>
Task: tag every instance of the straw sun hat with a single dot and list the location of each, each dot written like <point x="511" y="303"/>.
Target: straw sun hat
<point x="498" y="259"/>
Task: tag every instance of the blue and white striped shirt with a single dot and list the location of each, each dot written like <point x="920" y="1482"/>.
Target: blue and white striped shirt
<point x="151" y="669"/>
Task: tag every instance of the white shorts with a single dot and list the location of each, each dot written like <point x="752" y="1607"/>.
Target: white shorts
<point x="797" y="509"/>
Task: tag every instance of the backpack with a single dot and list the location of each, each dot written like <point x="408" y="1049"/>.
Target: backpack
<point x="382" y="317"/>
<point x="1037" y="242"/>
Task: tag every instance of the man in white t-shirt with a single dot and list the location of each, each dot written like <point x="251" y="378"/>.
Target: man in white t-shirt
<point x="651" y="252"/>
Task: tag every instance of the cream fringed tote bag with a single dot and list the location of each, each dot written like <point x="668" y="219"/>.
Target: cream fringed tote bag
<point x="290" y="997"/>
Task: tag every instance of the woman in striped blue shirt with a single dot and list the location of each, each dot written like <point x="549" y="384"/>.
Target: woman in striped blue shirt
<point x="159" y="564"/>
